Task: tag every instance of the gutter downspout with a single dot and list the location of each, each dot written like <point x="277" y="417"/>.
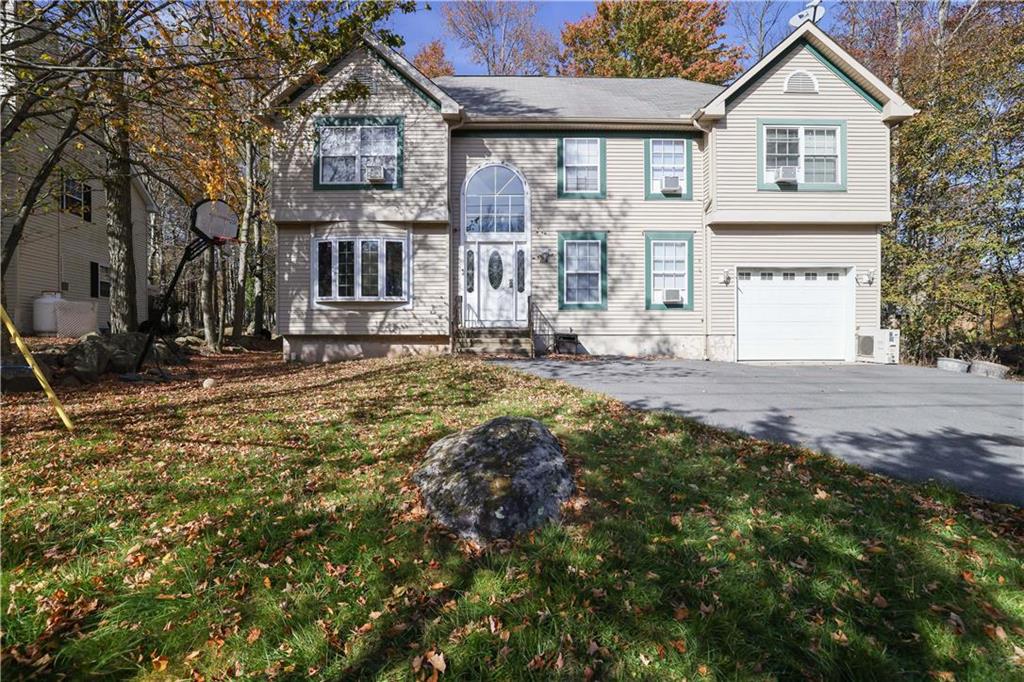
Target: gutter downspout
<point x="706" y="238"/>
<point x="453" y="268"/>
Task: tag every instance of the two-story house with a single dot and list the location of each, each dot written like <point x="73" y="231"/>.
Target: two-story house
<point x="63" y="250"/>
<point x="646" y="216"/>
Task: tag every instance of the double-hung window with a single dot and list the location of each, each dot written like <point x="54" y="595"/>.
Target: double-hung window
<point x="76" y="197"/>
<point x="583" y="270"/>
<point x="361" y="269"/>
<point x="358" y="153"/>
<point x="581" y="168"/>
<point x="812" y="151"/>
<point x="667" y="172"/>
<point x="669" y="270"/>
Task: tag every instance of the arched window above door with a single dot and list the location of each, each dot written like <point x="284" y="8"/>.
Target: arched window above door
<point x="495" y="201"/>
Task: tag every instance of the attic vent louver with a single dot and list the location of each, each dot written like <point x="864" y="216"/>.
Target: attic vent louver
<point x="801" y="82"/>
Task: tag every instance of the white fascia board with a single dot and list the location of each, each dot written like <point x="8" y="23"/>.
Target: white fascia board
<point x="448" y="105"/>
<point x="797" y="217"/>
<point x="895" y="108"/>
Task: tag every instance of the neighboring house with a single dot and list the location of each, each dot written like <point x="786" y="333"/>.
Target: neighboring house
<point x="64" y="244"/>
<point x="646" y="216"/>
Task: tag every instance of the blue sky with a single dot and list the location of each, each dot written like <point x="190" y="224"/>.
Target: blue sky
<point x="426" y="25"/>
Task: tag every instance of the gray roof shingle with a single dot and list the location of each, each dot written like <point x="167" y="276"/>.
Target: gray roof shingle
<point x="577" y="98"/>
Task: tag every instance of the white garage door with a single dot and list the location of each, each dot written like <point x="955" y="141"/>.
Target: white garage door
<point x="793" y="314"/>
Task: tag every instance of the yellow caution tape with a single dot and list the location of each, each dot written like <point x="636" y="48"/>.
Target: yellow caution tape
<point x="35" y="370"/>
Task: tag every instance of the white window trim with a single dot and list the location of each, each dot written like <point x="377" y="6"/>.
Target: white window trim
<point x="357" y="264"/>
<point x="566" y="165"/>
<point x="675" y="273"/>
<point x="566" y="272"/>
<point x="656" y="182"/>
<point x="79" y="197"/>
<point x="769" y="178"/>
<point x="794" y="72"/>
<point x="359" y="166"/>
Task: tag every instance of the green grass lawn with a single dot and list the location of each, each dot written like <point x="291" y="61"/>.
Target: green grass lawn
<point x="267" y="528"/>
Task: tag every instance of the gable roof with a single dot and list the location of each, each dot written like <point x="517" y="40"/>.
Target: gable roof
<point x="391" y="59"/>
<point x="857" y="76"/>
<point x="535" y="98"/>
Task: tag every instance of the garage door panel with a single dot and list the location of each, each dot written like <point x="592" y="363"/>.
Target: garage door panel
<point x="792" y="319"/>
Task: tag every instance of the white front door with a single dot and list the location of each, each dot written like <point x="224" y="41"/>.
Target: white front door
<point x="794" y="314"/>
<point x="500" y="280"/>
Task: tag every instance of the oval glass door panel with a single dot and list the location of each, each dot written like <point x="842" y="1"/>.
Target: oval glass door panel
<point x="520" y="271"/>
<point x="495" y="270"/>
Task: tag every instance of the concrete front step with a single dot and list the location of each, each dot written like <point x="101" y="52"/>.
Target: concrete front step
<point x="496" y="344"/>
<point x="483" y="333"/>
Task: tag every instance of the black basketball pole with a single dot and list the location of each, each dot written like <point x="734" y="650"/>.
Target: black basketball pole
<point x="193" y="250"/>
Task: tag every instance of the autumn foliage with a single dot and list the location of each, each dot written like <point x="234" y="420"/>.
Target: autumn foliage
<point x="432" y="61"/>
<point x="654" y="39"/>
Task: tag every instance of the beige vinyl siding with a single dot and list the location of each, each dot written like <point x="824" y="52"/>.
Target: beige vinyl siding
<point x="427" y="314"/>
<point x="58" y="246"/>
<point x="857" y="247"/>
<point x="422" y="197"/>
<point x="735" y="167"/>
<point x="624" y="215"/>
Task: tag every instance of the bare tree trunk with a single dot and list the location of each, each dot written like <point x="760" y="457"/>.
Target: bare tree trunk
<point x="155" y="264"/>
<point x="120" y="240"/>
<point x="208" y="300"/>
<point x="222" y="296"/>
<point x="258" y="323"/>
<point x="117" y="183"/>
<point x="245" y="227"/>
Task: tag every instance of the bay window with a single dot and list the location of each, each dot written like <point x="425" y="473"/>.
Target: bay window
<point x="361" y="269"/>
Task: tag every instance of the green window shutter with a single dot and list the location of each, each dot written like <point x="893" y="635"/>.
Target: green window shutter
<point x="602" y="166"/>
<point x="600" y="237"/>
<point x="329" y="121"/>
<point x="649" y="238"/>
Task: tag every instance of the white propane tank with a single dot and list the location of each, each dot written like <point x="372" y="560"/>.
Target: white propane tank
<point x="44" y="313"/>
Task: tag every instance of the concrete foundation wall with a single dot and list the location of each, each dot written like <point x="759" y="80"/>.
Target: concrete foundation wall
<point x="333" y="348"/>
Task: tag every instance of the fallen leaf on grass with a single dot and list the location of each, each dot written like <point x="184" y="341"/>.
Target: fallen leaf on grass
<point x="253" y="635"/>
<point x="679" y="645"/>
<point x="681" y="613"/>
<point x="820" y="494"/>
<point x="160" y="663"/>
<point x="436" y="660"/>
<point x="995" y="631"/>
<point x="880" y="601"/>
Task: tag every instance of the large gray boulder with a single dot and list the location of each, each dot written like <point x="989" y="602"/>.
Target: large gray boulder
<point x="88" y="358"/>
<point x="503" y="477"/>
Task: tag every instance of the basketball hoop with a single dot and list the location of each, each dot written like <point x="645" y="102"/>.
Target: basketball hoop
<point x="214" y="224"/>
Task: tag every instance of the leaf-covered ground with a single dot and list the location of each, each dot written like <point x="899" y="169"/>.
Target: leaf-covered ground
<point x="266" y="528"/>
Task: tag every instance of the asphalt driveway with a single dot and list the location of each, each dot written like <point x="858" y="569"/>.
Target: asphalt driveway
<point x="910" y="422"/>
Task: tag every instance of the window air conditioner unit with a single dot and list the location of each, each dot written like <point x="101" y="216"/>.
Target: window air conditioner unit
<point x="375" y="173"/>
<point x="880" y="346"/>
<point x="785" y="175"/>
<point x="670" y="184"/>
<point x="671" y="296"/>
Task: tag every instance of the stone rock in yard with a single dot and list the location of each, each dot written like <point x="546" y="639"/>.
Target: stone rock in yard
<point x="88" y="358"/>
<point x="503" y="477"/>
<point x="21" y="379"/>
<point x="121" y="361"/>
